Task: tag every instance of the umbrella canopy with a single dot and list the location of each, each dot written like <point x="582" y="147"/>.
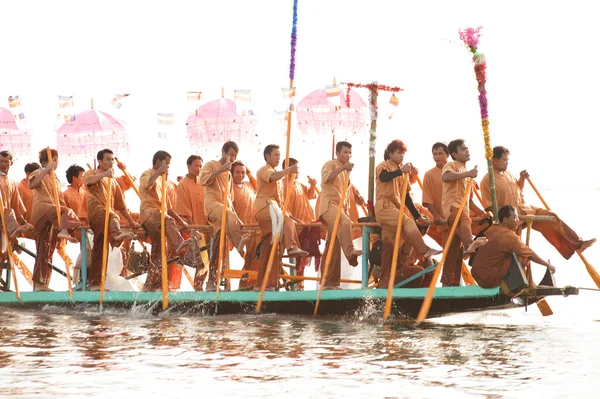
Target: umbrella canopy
<point x="318" y="117"/>
<point x="11" y="137"/>
<point x="90" y="132"/>
<point x="216" y="122"/>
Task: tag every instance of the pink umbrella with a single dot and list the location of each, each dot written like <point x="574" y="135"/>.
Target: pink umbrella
<point x="11" y="137"/>
<point x="317" y="117"/>
<point x="216" y="122"/>
<point x="90" y="132"/>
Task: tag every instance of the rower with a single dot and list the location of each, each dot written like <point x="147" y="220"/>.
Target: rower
<point x="509" y="191"/>
<point x="493" y="261"/>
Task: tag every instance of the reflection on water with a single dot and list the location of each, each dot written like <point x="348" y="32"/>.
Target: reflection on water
<point x="58" y="353"/>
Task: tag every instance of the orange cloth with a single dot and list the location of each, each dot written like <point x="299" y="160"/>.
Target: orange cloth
<point x="190" y="200"/>
<point x="451" y="271"/>
<point x="213" y="194"/>
<point x="96" y="204"/>
<point x="299" y="206"/>
<point x="10" y="196"/>
<point x="433" y="186"/>
<point x="454" y="191"/>
<point x="332" y="192"/>
<point x="172" y="193"/>
<point x="150" y="196"/>
<point x="123" y="183"/>
<point x="244" y="196"/>
<point x="266" y="189"/>
<point x="43" y="196"/>
<point x="507" y="192"/>
<point x="493" y="260"/>
<point x="27" y="197"/>
<point x="353" y="212"/>
<point x="76" y="199"/>
<point x="387" y="194"/>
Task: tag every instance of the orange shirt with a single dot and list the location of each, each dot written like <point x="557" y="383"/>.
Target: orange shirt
<point x="214" y="192"/>
<point x="76" y="200"/>
<point x="267" y="190"/>
<point x="433" y="185"/>
<point x="332" y="192"/>
<point x="150" y="195"/>
<point x="96" y="204"/>
<point x="454" y="191"/>
<point x="299" y="205"/>
<point x="387" y="194"/>
<point x="493" y="260"/>
<point x="43" y="196"/>
<point x="353" y="209"/>
<point x="190" y="200"/>
<point x="244" y="196"/>
<point x="27" y="197"/>
<point x="10" y="195"/>
<point x="172" y="192"/>
<point x="508" y="192"/>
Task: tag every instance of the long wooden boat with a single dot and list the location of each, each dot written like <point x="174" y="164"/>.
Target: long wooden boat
<point x="348" y="302"/>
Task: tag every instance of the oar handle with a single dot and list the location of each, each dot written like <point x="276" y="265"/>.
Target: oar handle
<point x="107" y="206"/>
<point x="163" y="243"/>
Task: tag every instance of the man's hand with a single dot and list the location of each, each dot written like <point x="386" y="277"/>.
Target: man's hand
<point x="293" y="169"/>
<point x="164" y="169"/>
<point x="312" y="182"/>
<point x="414" y="171"/>
<point x="109" y="173"/>
<point x="524" y="174"/>
<point x="52" y="166"/>
<point x="550" y="267"/>
<point x="226" y="166"/>
<point x="439" y="221"/>
<point x="360" y="200"/>
<point x="349" y="166"/>
<point x="473" y="172"/>
<point x="248" y="171"/>
<point x="480" y="242"/>
<point x="135" y="226"/>
<point x="407" y="168"/>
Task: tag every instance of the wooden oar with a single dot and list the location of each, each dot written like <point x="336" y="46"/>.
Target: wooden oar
<point x="429" y="297"/>
<point x="57" y="202"/>
<point x="464" y="271"/>
<point x="274" y="246"/>
<point x="222" y="235"/>
<point x="163" y="243"/>
<point x="542" y="304"/>
<point x="127" y="176"/>
<point x="9" y="249"/>
<point x="590" y="269"/>
<point x="107" y="206"/>
<point x="23" y="268"/>
<point x="392" y="281"/>
<point x="332" y="239"/>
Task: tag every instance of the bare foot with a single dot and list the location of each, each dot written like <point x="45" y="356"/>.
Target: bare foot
<point x="242" y="245"/>
<point x="40" y="287"/>
<point x="125" y="236"/>
<point x="353" y="258"/>
<point x="64" y="234"/>
<point x="21" y="229"/>
<point x="431" y="252"/>
<point x="586" y="244"/>
<point x="480" y="242"/>
<point x="297" y="252"/>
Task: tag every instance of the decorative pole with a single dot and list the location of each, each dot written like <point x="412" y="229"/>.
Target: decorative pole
<point x="471" y="38"/>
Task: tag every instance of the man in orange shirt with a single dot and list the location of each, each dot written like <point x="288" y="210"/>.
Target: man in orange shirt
<point x="493" y="260"/>
<point x="333" y="175"/>
<point x="45" y="220"/>
<point x="150" y="215"/>
<point x="190" y="206"/>
<point x="455" y="177"/>
<point x="25" y="192"/>
<point x="270" y="192"/>
<point x="96" y="182"/>
<point x="432" y="192"/>
<point x="74" y="194"/>
<point x="244" y="195"/>
<point x="213" y="178"/>
<point x="509" y="191"/>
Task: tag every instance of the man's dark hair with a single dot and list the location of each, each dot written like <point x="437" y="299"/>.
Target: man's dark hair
<point x="453" y="146"/>
<point x="341" y="144"/>
<point x="100" y="155"/>
<point x="6" y="154"/>
<point x="499" y="151"/>
<point x="193" y="158"/>
<point x="504" y="212"/>
<point x="43" y="155"/>
<point x="229" y="145"/>
<point x="392" y="147"/>
<point x="293" y="161"/>
<point x="160" y="156"/>
<point x="269" y="149"/>
<point x="73" y="171"/>
<point x="441" y="145"/>
<point x="30" y="167"/>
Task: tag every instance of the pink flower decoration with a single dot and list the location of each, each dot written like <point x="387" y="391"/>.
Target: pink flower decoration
<point x="470" y="36"/>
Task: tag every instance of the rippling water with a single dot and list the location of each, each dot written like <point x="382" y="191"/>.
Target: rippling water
<point x="57" y="352"/>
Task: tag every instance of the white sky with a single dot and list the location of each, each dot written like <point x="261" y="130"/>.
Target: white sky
<point x="542" y="71"/>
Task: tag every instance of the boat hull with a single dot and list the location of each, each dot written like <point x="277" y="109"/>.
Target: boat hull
<point x="406" y="301"/>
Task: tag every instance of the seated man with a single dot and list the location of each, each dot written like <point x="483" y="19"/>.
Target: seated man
<point x="493" y="260"/>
